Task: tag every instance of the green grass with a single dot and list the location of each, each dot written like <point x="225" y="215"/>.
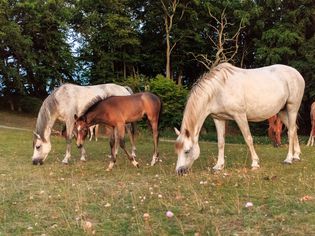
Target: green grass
<point x="56" y="199"/>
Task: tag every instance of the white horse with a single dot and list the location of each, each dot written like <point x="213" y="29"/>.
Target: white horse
<point x="231" y="93"/>
<point x="62" y="104"/>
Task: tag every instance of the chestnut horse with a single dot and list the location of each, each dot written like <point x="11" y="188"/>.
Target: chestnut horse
<point x="275" y="130"/>
<point x="312" y="134"/>
<point x="116" y="111"/>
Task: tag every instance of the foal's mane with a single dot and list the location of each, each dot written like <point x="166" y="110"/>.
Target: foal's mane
<point x="203" y="90"/>
<point x="91" y="105"/>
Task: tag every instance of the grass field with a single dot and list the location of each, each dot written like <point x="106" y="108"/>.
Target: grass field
<point x="84" y="199"/>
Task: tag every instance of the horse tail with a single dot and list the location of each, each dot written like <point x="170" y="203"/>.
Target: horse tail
<point x="128" y="89"/>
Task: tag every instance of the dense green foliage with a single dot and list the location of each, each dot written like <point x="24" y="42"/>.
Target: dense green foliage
<point x="173" y="99"/>
<point x="49" y="42"/>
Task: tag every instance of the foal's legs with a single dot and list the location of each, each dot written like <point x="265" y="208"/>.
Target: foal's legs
<point x="112" y="143"/>
<point x="131" y="133"/>
<point x="121" y="135"/>
<point x="242" y="123"/>
<point x="220" y="127"/>
<point x="289" y="120"/>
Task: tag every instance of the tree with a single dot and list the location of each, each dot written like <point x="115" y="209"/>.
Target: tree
<point x="35" y="53"/>
<point x="110" y="39"/>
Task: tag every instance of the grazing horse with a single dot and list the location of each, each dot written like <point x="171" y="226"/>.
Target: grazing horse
<point x="62" y="104"/>
<point x="310" y="141"/>
<point x="116" y="111"/>
<point x="231" y="93"/>
<point x="275" y="130"/>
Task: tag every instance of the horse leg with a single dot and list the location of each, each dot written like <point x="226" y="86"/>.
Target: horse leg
<point x="69" y="130"/>
<point x="155" y="133"/>
<point x="131" y="133"/>
<point x="289" y="120"/>
<point x="112" y="144"/>
<point x="121" y="135"/>
<point x="220" y="127"/>
<point x="91" y="133"/>
<point x="242" y="123"/>
<point x="310" y="138"/>
<point x="96" y="132"/>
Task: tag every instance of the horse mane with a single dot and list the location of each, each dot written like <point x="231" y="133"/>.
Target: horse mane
<point x="90" y="105"/>
<point x="48" y="108"/>
<point x="203" y="90"/>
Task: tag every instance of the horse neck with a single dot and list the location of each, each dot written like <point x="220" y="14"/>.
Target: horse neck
<point x="195" y="113"/>
<point x="90" y="117"/>
<point x="44" y="123"/>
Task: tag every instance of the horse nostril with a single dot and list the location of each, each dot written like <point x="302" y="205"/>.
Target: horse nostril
<point x="38" y="162"/>
<point x="181" y="170"/>
<point x="79" y="146"/>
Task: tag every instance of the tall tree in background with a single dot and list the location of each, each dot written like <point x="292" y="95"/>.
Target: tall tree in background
<point x="37" y="55"/>
<point x="110" y="39"/>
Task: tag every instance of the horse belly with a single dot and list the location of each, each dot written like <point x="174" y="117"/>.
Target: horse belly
<point x="265" y="99"/>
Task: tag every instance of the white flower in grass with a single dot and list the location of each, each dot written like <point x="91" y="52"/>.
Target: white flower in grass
<point x="249" y="204"/>
<point x="169" y="214"/>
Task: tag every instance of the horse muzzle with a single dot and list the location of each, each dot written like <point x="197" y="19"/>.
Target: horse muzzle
<point x="38" y="161"/>
<point x="182" y="170"/>
<point x="79" y="145"/>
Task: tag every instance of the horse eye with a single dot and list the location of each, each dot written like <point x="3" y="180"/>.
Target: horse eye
<point x="187" y="151"/>
<point x="37" y="147"/>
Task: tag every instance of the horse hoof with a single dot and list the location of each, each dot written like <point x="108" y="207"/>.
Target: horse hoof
<point x="217" y="168"/>
<point x="108" y="169"/>
<point x="287" y="162"/>
<point x="296" y="159"/>
<point x="83" y="159"/>
<point x="65" y="162"/>
<point x="255" y="167"/>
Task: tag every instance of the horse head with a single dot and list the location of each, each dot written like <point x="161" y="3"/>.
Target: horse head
<point x="82" y="128"/>
<point x="41" y="149"/>
<point x="275" y="130"/>
<point x="187" y="149"/>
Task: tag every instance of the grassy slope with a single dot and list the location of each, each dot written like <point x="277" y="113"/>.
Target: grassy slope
<point x="54" y="199"/>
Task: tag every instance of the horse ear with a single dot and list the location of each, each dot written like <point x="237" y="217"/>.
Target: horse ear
<point x="187" y="133"/>
<point x="37" y="135"/>
<point x="75" y="116"/>
<point x="177" y="132"/>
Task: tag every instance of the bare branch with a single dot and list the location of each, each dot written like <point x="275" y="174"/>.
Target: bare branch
<point x="226" y="47"/>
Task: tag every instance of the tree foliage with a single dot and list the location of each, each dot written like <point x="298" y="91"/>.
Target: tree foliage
<point x="45" y="43"/>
